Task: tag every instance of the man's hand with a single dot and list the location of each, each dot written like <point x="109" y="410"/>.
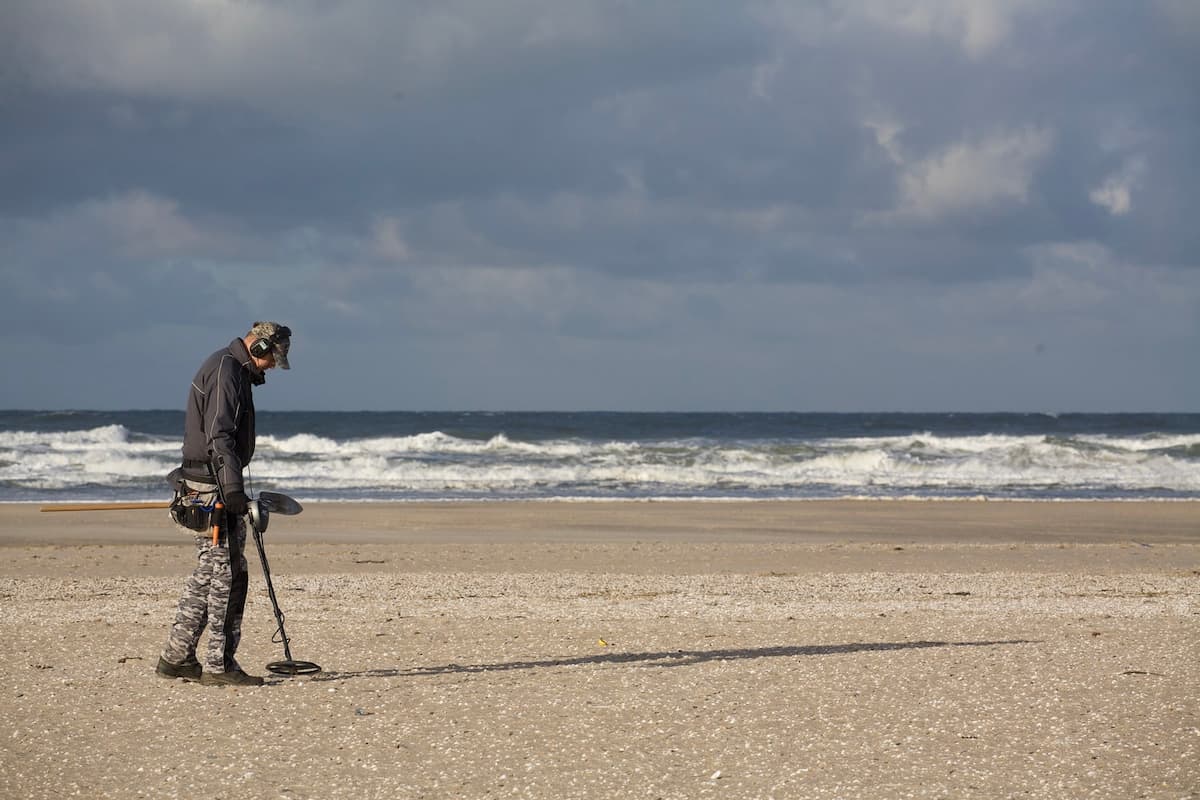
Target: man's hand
<point x="236" y="502"/>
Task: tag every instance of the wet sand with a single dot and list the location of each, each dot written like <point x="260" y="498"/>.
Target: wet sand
<point x="673" y="650"/>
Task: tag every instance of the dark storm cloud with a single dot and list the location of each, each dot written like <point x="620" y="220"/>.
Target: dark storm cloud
<point x="712" y="179"/>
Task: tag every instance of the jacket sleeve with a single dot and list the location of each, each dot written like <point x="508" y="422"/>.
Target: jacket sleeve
<point x="224" y="410"/>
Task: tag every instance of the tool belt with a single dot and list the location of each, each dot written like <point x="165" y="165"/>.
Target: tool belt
<point x="193" y="505"/>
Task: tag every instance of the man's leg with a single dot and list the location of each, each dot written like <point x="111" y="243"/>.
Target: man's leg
<point x="227" y="600"/>
<point x="192" y="613"/>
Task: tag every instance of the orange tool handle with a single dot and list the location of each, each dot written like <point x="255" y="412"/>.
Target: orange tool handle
<point x="219" y="508"/>
<point x="103" y="506"/>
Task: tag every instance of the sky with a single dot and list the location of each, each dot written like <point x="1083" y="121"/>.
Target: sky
<point x="838" y="205"/>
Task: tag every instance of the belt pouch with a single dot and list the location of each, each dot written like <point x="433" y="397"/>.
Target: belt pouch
<point x="190" y="511"/>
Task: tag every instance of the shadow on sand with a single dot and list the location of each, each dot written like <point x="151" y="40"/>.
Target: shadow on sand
<point x="672" y="658"/>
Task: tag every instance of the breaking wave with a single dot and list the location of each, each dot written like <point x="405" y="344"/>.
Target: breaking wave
<point x="115" y="461"/>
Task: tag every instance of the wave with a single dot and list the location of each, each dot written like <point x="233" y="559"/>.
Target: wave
<point x="112" y="460"/>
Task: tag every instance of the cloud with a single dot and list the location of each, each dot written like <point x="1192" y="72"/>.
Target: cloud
<point x="1116" y="192"/>
<point x="134" y="259"/>
<point x="977" y="26"/>
<point x="140" y="225"/>
<point x="1089" y="285"/>
<point x="1182" y="18"/>
<point x="538" y="185"/>
<point x="132" y="226"/>
<point x="312" y="58"/>
<point x="971" y="175"/>
<point x="1113" y="194"/>
<point x="195" y="49"/>
<point x="388" y="240"/>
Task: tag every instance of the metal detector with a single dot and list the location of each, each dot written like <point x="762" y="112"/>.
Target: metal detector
<point x="258" y="513"/>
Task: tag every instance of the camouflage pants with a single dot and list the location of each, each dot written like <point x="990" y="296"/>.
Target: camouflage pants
<point x="214" y="597"/>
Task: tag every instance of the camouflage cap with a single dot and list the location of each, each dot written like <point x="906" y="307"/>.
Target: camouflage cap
<point x="278" y="336"/>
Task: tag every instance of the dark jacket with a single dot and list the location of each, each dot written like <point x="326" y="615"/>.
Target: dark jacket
<point x="218" y="425"/>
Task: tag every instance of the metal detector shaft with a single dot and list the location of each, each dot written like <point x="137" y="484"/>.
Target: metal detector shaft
<point x="289" y="666"/>
<point x="266" y="568"/>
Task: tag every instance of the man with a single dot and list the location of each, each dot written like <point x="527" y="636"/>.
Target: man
<point x="218" y="441"/>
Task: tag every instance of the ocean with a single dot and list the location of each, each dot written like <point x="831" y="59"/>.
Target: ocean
<point x="96" y="456"/>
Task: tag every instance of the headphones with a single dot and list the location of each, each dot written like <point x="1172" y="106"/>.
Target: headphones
<point x="263" y="345"/>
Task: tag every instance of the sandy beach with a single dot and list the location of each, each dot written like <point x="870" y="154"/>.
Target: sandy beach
<point x="604" y="650"/>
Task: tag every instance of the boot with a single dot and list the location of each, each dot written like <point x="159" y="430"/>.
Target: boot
<point x="188" y="670"/>
<point x="234" y="677"/>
